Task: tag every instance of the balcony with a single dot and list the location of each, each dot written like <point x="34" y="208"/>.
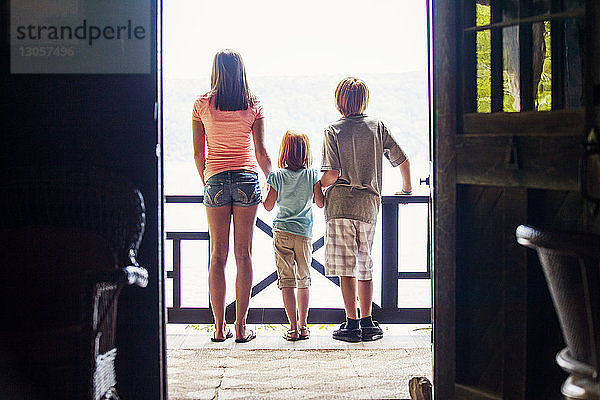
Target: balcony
<point x="402" y="275"/>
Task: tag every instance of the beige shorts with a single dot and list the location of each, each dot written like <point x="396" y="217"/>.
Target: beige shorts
<point x="348" y="248"/>
<point x="293" y="256"/>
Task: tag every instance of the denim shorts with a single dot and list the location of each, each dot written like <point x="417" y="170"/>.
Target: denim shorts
<point x="239" y="187"/>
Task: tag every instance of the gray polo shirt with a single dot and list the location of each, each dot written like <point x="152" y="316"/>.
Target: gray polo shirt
<point x="355" y="146"/>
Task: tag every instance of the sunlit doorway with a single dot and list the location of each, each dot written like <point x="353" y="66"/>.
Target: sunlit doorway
<point x="295" y="54"/>
<point x="294" y="67"/>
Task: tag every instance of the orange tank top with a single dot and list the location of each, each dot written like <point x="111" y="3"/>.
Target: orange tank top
<point x="228" y="136"/>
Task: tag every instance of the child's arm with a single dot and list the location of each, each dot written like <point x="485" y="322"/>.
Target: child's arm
<point x="318" y="193"/>
<point x="198" y="139"/>
<point x="258" y="135"/>
<point x="329" y="177"/>
<point x="270" y="199"/>
<point x="405" y="172"/>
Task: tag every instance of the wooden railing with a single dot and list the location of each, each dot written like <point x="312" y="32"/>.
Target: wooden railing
<point x="387" y="312"/>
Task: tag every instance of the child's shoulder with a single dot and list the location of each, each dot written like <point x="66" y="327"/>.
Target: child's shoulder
<point x="280" y="171"/>
<point x="202" y="100"/>
<point x="307" y="170"/>
<point x="349" y="122"/>
<point x="278" y="174"/>
<point x="311" y="174"/>
<point x="204" y="97"/>
<point x="288" y="173"/>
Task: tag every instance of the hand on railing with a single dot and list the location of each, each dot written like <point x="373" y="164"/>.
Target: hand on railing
<point x="136" y="275"/>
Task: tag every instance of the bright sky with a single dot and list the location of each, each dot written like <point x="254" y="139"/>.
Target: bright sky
<point x="302" y="37"/>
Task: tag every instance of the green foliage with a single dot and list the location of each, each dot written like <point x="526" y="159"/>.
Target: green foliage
<point x="206" y="328"/>
<point x="483" y="47"/>
<point x="427" y="329"/>
<point x="483" y="61"/>
<point x="271" y="328"/>
<point x="483" y="15"/>
<point x="260" y="327"/>
<point x="544" y="89"/>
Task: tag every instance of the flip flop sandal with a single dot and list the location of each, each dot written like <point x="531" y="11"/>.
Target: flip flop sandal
<point x="291" y="335"/>
<point x="305" y="335"/>
<point x="248" y="338"/>
<point x="227" y="336"/>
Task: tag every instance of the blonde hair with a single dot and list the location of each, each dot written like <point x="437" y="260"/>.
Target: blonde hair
<point x="229" y="87"/>
<point x="351" y="96"/>
<point x="294" y="152"/>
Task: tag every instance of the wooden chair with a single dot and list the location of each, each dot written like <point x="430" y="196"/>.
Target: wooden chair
<point x="571" y="264"/>
<point x="69" y="245"/>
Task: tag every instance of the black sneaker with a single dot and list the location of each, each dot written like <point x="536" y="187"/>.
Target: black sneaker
<point x="370" y="333"/>
<point x="347" y="335"/>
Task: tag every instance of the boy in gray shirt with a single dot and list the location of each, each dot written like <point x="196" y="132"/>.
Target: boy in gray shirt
<point x="353" y="150"/>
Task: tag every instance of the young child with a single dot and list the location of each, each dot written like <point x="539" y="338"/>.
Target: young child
<point x="353" y="149"/>
<point x="293" y="187"/>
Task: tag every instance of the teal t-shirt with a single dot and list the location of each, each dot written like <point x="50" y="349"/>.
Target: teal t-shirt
<point x="294" y="198"/>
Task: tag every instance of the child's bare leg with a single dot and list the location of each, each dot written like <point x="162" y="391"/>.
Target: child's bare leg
<point x="349" y="330"/>
<point x="370" y="329"/>
<point x="289" y="302"/>
<point x="365" y="297"/>
<point x="348" y="286"/>
<point x="303" y="296"/>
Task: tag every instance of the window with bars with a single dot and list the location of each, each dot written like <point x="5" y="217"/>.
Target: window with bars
<point x="521" y="56"/>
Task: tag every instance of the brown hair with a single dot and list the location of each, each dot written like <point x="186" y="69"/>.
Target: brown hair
<point x="294" y="152"/>
<point x="351" y="96"/>
<point x="229" y="87"/>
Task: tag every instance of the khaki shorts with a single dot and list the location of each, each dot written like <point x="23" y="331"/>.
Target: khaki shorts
<point x="348" y="248"/>
<point x="293" y="256"/>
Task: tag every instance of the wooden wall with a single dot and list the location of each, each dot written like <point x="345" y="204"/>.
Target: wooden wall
<point x="495" y="329"/>
<point x="108" y="121"/>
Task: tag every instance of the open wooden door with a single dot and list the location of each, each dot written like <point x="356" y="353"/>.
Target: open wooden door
<point x="91" y="100"/>
<point x="515" y="84"/>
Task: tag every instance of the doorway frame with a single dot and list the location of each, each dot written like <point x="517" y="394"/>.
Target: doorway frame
<point x="440" y="287"/>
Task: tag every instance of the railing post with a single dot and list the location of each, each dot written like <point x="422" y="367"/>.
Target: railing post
<point x="389" y="256"/>
<point x="176" y="274"/>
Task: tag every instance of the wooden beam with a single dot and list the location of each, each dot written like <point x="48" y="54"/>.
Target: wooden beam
<point x="526" y="58"/>
<point x="465" y="392"/>
<point x="469" y="58"/>
<point x="560" y="123"/>
<point x="445" y="98"/>
<point x="497" y="60"/>
<point x="514" y="287"/>
<point x="557" y="51"/>
<point x="578" y="12"/>
<point x="526" y="161"/>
